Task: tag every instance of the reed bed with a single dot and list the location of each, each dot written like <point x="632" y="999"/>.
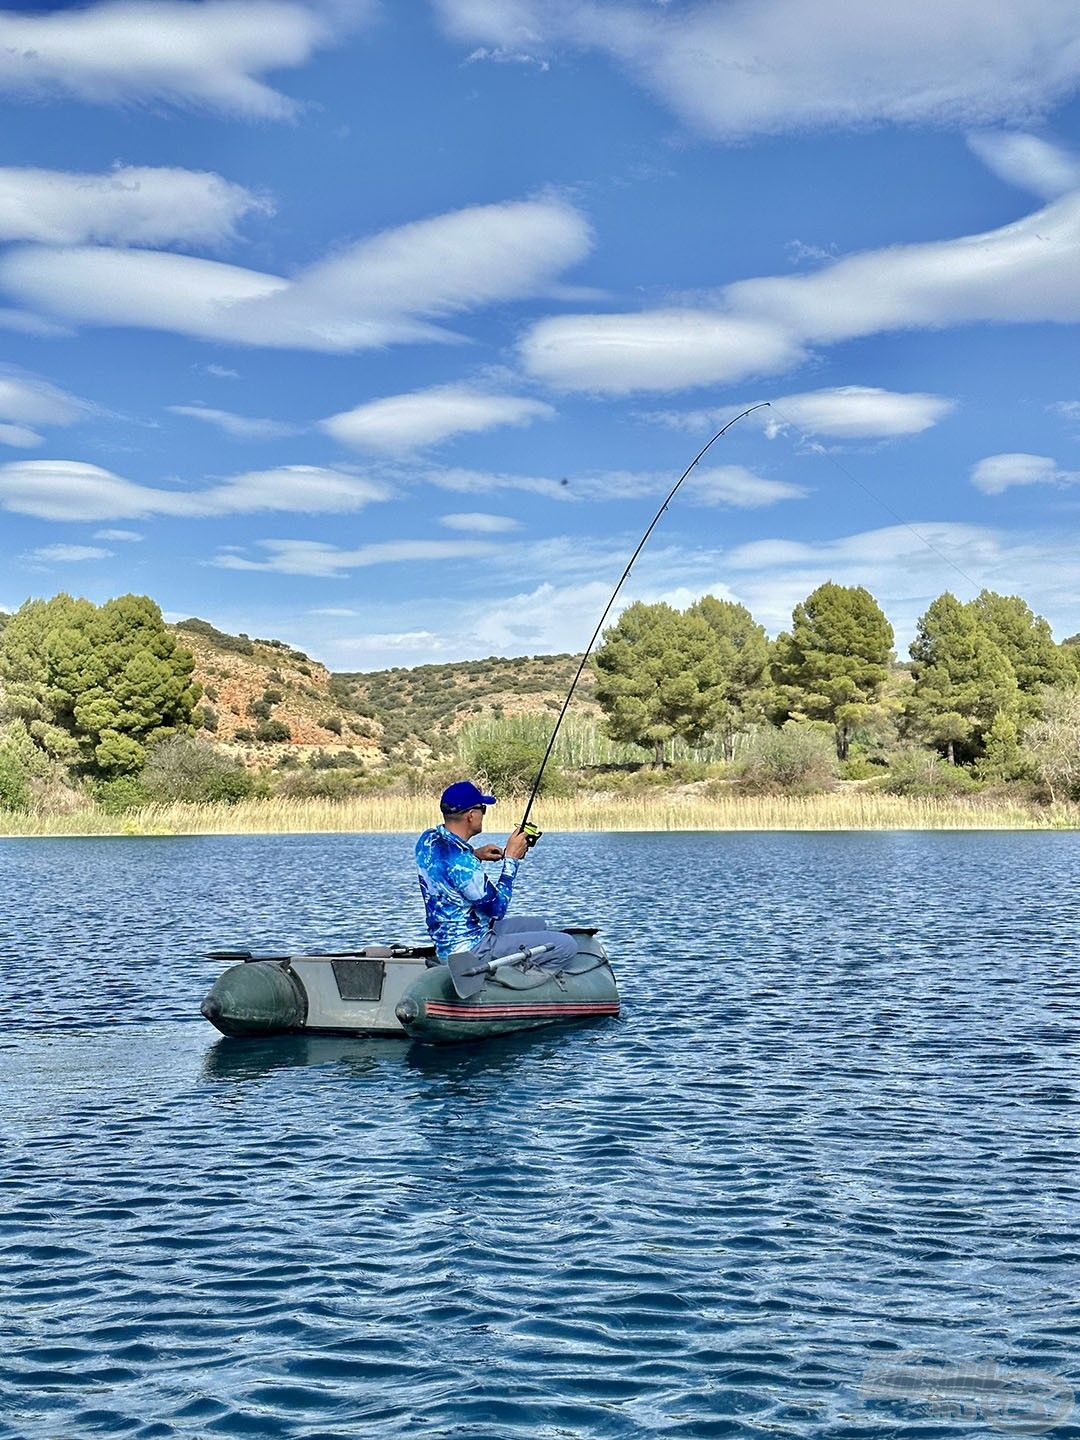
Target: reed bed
<point x="854" y="809"/>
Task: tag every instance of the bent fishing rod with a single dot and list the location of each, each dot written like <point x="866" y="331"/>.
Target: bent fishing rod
<point x="532" y="834"/>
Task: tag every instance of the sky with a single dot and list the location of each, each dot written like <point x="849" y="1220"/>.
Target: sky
<point x="383" y="328"/>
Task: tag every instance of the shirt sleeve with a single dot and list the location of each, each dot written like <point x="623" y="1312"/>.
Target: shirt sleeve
<point x="466" y="875"/>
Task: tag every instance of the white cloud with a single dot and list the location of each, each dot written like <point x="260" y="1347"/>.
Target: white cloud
<point x="400" y="423"/>
<point x="221" y="372"/>
<point x="845" y="412"/>
<point x="1069" y="409"/>
<point x="316" y="558"/>
<point x="68" y="554"/>
<point x="72" y="490"/>
<point x="479" y="521"/>
<point x="654" y="350"/>
<point x="127" y="536"/>
<point x="128" y="205"/>
<point x="24" y="399"/>
<point x="733" y="70"/>
<point x="997" y="473"/>
<point x="378" y="291"/>
<point x="396" y="642"/>
<point x="20" y="436"/>
<point x="211" y="54"/>
<point x="240" y="427"/>
<point x="1023" y="272"/>
<point x="1029" y="162"/>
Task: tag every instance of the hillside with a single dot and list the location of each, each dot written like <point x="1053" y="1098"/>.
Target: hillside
<point x="251" y="683"/>
<point x="383" y="714"/>
<point x="427" y="705"/>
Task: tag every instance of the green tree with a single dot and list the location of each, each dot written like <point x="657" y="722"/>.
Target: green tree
<point x="743" y="653"/>
<point x="25" y="678"/>
<point x="961" y="680"/>
<point x="1026" y="641"/>
<point x="660" y="676"/>
<point x="834" y="662"/>
<point x="1003" y="757"/>
<point x="96" y="685"/>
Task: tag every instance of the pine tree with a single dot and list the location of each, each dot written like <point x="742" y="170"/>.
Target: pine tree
<point x="835" y="661"/>
<point x="660" y="677"/>
<point x="96" y="685"/>
<point x="743" y="653"/>
<point x="962" y="680"/>
<point x="1026" y="641"/>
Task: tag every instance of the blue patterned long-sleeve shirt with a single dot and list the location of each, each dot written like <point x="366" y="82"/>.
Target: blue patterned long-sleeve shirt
<point x="460" y="901"/>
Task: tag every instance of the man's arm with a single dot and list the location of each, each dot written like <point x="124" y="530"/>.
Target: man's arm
<point x="488" y="900"/>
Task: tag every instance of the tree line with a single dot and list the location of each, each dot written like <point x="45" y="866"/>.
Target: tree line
<point x="982" y="676"/>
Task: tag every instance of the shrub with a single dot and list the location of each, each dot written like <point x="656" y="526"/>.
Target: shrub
<point x="240" y="644"/>
<point x="14" y="781"/>
<point x="508" y="763"/>
<point x="316" y="785"/>
<point x="332" y="723"/>
<point x="207" y="718"/>
<point x="258" y="709"/>
<point x="227" y="786"/>
<point x="244" y="735"/>
<point x="123" y="792"/>
<point x="182" y="768"/>
<point x="858" y="767"/>
<point x="922" y="772"/>
<point x="273" y="696"/>
<point x="272" y="730"/>
<point x="797" y="758"/>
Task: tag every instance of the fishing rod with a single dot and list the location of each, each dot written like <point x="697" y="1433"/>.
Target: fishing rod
<point x="532" y="834"/>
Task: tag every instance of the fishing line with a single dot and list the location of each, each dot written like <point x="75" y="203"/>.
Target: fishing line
<point x="820" y="450"/>
<point x="534" y="835"/>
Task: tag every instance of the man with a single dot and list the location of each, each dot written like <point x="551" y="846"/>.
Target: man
<point x="464" y="910"/>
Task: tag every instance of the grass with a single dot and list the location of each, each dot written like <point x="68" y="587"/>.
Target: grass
<point x="848" y="809"/>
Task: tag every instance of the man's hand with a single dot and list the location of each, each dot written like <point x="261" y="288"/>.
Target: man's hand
<point x="488" y="852"/>
<point x="517" y="846"/>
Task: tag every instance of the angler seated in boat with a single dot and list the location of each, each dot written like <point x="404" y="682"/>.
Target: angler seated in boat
<point x="463" y="908"/>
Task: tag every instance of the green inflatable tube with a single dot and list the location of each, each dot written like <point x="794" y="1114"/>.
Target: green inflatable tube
<point x="433" y="1013"/>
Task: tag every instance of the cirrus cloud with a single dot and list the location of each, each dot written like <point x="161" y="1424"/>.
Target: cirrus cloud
<point x="997" y="473"/>
<point x="842" y="412"/>
<point x="207" y="53"/>
<point x="399" y="423"/>
<point x="128" y="205"/>
<point x="385" y="289"/>
<point x="72" y="490"/>
<point x="734" y="70"/>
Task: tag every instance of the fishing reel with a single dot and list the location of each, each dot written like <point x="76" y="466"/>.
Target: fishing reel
<point x="532" y="834"/>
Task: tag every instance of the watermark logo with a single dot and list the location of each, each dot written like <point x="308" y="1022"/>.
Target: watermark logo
<point x="1010" y="1400"/>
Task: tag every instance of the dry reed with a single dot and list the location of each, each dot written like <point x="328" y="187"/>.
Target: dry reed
<point x="854" y="809"/>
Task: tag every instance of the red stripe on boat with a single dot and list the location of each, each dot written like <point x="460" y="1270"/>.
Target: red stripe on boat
<point x="444" y="1010"/>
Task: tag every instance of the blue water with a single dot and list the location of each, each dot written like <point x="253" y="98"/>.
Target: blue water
<point x="836" y="1127"/>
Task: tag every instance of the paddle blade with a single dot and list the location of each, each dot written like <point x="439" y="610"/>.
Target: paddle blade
<point x="466" y="983"/>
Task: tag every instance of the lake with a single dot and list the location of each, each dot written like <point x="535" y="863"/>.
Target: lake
<point x="820" y="1179"/>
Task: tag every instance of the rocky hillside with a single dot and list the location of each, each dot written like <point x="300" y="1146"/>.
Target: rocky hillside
<point x="262" y="695"/>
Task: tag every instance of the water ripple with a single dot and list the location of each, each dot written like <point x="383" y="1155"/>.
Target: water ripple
<point x="836" y="1128"/>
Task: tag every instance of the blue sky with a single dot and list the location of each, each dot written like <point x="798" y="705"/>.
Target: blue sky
<point x="382" y="329"/>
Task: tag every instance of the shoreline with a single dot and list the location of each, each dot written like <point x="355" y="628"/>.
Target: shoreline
<point x="662" y="811"/>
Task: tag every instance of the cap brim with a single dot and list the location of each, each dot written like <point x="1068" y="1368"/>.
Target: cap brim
<point x="488" y="799"/>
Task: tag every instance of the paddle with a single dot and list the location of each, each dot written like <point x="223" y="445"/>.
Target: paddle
<point x="470" y="974"/>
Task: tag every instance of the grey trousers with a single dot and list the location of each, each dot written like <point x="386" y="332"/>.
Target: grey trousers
<point x="509" y="935"/>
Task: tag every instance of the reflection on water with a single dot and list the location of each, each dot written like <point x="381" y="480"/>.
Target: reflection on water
<point x="836" y="1126"/>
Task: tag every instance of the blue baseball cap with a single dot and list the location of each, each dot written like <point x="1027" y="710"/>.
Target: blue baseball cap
<point x="463" y="795"/>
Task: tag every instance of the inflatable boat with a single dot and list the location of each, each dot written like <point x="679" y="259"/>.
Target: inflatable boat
<point x="401" y="990"/>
